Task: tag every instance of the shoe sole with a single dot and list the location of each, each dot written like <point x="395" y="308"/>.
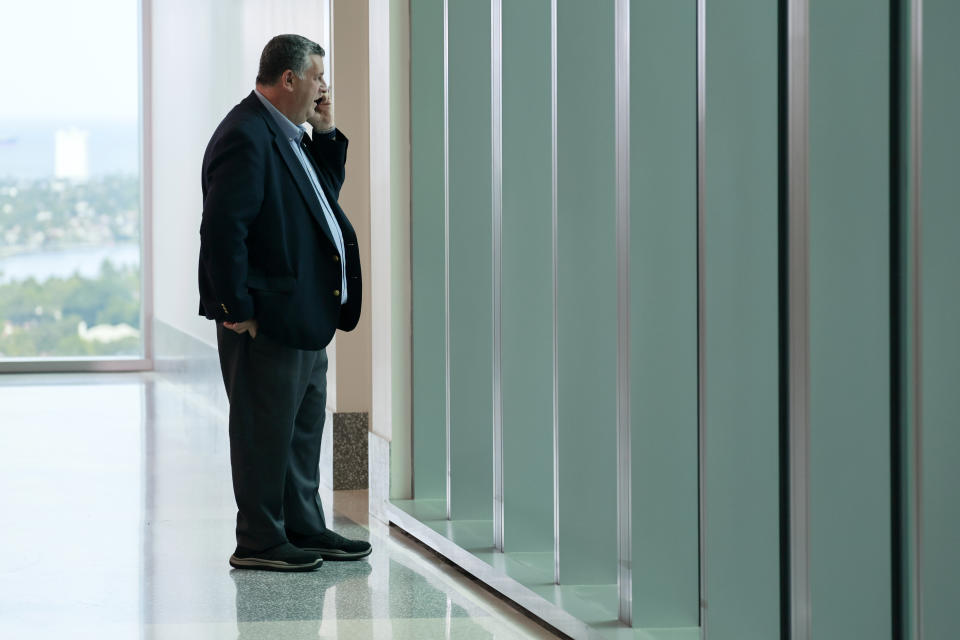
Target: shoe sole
<point x="272" y="565"/>
<point x="337" y="554"/>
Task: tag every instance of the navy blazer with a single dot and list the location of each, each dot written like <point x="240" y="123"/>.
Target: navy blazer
<point x="265" y="249"/>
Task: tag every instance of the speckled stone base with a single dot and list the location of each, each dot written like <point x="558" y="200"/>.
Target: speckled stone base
<point x="350" y="450"/>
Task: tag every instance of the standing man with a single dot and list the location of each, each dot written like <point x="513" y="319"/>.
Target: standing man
<point x="280" y="273"/>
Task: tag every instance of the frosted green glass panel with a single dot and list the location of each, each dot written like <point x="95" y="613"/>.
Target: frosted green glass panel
<point x="742" y="409"/>
<point x="471" y="266"/>
<point x="587" y="298"/>
<point x="527" y="281"/>
<point x="850" y="535"/>
<point x="940" y="266"/>
<point x="663" y="317"/>
<point x="427" y="231"/>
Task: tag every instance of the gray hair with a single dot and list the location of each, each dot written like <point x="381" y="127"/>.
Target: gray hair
<point x="287" y="51"/>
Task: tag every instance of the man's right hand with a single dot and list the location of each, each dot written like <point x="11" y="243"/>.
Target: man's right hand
<point x="322" y="117"/>
<point x="243" y="327"/>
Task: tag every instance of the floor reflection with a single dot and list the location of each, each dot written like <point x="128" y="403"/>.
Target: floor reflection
<point x="119" y="520"/>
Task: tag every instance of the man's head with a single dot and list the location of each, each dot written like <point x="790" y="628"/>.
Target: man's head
<point x="291" y="75"/>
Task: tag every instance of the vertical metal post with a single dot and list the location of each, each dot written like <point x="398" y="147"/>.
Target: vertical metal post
<point x="702" y="304"/>
<point x="798" y="296"/>
<point x="624" y="475"/>
<point x="496" y="121"/>
<point x="146" y="179"/>
<point x="556" y="347"/>
<point x="916" y="421"/>
<point x="446" y="238"/>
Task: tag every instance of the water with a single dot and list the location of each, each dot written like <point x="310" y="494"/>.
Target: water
<point x="27" y="151"/>
<point x="63" y="264"/>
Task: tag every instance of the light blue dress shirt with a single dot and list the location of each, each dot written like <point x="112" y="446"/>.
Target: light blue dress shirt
<point x="294" y="135"/>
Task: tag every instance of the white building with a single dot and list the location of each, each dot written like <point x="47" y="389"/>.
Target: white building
<point x="71" y="159"/>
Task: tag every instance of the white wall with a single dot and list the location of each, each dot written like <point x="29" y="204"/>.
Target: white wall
<point x="204" y="61"/>
<point x="390" y="415"/>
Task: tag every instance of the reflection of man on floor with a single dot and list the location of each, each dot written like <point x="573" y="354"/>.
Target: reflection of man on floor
<point x="280" y="273"/>
<point x="292" y="606"/>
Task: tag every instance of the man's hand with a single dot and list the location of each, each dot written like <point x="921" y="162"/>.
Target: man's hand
<point x="322" y="117"/>
<point x="243" y="327"/>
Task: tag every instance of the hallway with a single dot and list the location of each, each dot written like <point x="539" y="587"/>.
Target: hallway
<point x="119" y="522"/>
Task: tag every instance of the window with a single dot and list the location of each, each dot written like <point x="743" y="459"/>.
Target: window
<point x="70" y="187"/>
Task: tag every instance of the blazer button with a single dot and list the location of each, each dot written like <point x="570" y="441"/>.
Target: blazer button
<point x="336" y="258"/>
<point x="336" y="292"/>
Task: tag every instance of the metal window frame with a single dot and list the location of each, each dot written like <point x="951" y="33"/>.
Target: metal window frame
<point x="916" y="228"/>
<point x="798" y="304"/>
<point x="554" y="224"/>
<point x="446" y="245"/>
<point x="622" y="171"/>
<point x="496" y="129"/>
<point x="702" y="306"/>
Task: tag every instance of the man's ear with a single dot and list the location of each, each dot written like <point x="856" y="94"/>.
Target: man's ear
<point x="288" y="78"/>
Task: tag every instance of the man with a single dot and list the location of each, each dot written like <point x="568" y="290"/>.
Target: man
<point x="280" y="273"/>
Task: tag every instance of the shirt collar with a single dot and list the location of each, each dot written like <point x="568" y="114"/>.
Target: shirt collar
<point x="290" y="131"/>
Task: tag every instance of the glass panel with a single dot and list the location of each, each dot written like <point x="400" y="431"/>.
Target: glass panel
<point x="940" y="351"/>
<point x="471" y="266"/>
<point x="663" y="316"/>
<point x="527" y="322"/>
<point x="429" y="363"/>
<point x="587" y="296"/>
<point x="742" y="408"/>
<point x="70" y="181"/>
<point x="850" y="570"/>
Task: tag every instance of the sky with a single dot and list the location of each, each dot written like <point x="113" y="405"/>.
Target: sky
<point x="64" y="60"/>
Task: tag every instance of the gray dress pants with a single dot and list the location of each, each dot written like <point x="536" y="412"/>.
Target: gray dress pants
<point x="278" y="398"/>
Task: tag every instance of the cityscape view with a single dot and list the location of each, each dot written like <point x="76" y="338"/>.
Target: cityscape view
<point x="70" y="181"/>
<point x="69" y="240"/>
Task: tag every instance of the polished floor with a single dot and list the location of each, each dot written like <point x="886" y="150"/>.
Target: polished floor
<point x="117" y="522"/>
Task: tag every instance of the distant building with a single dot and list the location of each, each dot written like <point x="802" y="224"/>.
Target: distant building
<point x="106" y="332"/>
<point x="71" y="159"/>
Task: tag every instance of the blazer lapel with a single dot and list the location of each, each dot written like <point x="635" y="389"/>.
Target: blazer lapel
<point x="293" y="165"/>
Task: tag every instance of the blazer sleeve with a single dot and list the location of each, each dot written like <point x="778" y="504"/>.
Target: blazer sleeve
<point x="329" y="151"/>
<point x="234" y="180"/>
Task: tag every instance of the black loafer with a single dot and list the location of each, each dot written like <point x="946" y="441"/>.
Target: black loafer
<point x="283" y="557"/>
<point x="333" y="546"/>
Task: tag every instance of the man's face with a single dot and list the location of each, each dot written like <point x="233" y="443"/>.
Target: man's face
<point x="308" y="91"/>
